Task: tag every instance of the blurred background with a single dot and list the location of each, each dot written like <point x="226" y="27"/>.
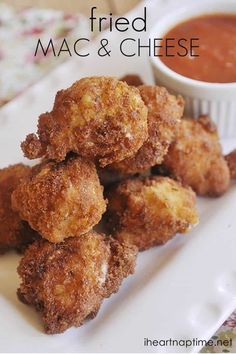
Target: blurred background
<point x="23" y="22"/>
<point x="115" y="6"/>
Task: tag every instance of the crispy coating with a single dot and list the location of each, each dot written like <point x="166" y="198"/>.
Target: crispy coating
<point x="60" y="200"/>
<point x="67" y="282"/>
<point x="195" y="157"/>
<point x="231" y="161"/>
<point x="164" y="113"/>
<point x="149" y="212"/>
<point x="132" y="80"/>
<point x="99" y="118"/>
<point x="14" y="233"/>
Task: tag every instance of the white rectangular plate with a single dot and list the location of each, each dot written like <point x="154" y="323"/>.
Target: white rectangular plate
<point x="182" y="290"/>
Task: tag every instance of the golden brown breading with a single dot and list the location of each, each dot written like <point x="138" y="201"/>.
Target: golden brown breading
<point x="62" y="199"/>
<point x="14" y="233"/>
<point x="149" y="212"/>
<point x="164" y="113"/>
<point x="195" y="157"/>
<point x="99" y="118"/>
<point x="231" y="161"/>
<point x="132" y="80"/>
<point x="67" y="282"/>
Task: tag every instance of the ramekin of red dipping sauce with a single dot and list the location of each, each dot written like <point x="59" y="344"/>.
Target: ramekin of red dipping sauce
<point x="208" y="81"/>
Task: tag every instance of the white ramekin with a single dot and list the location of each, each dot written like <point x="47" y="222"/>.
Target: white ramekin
<point x="216" y="99"/>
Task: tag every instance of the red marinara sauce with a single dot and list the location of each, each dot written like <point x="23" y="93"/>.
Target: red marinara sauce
<point x="216" y="60"/>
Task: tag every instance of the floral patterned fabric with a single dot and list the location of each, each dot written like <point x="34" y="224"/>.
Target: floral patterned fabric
<point x="226" y="332"/>
<point x="19" y="33"/>
<point x="19" y="69"/>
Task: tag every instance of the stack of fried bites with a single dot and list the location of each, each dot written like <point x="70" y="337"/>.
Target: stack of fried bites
<point x="133" y="141"/>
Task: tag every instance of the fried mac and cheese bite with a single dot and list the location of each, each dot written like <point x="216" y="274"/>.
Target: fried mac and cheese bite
<point x="164" y="114"/>
<point x="67" y="282"/>
<point x="149" y="212"/>
<point x="231" y="161"/>
<point x="60" y="200"/>
<point x="195" y="157"/>
<point x="132" y="80"/>
<point x="99" y="118"/>
<point x="14" y="233"/>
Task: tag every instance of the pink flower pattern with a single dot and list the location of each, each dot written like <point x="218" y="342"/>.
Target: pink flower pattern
<point x="22" y="30"/>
